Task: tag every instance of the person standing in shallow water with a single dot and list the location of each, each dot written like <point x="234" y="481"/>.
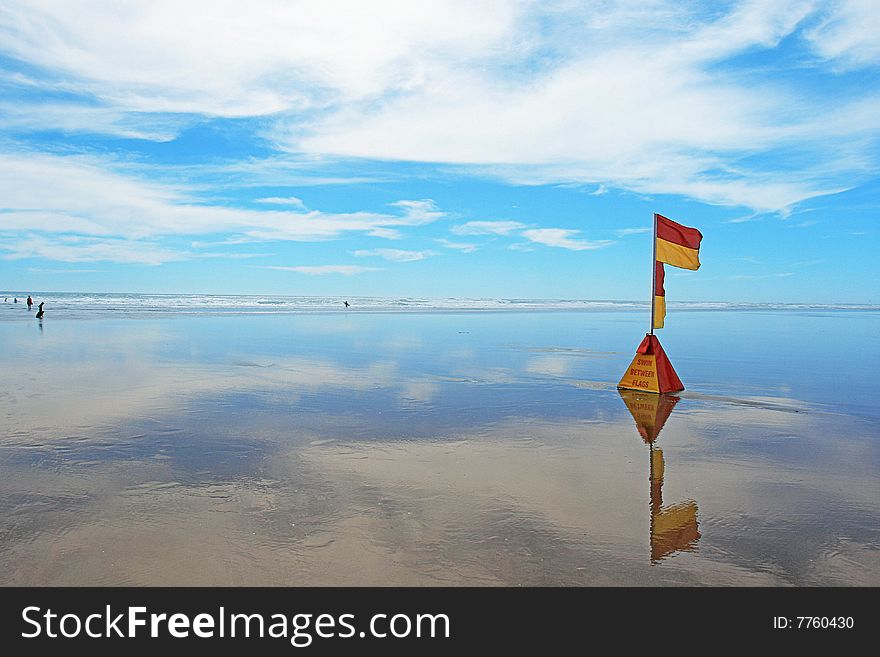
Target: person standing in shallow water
<point x="30" y="302"/>
<point x="346" y="304"/>
<point x="40" y="311"/>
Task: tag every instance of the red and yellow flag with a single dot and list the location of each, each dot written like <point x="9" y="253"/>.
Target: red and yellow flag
<point x="677" y="245"/>
<point x="659" y="295"/>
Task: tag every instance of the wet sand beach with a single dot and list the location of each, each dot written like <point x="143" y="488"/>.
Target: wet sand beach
<point x="443" y="448"/>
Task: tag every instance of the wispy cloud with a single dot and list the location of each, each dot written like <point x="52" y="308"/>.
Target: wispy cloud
<point x="395" y="255"/>
<point x="758" y="277"/>
<point x="693" y="137"/>
<point x="847" y="33"/>
<point x="320" y="270"/>
<point x="163" y="56"/>
<point x="88" y="249"/>
<point x="90" y="198"/>
<point x="41" y="270"/>
<point x="465" y="247"/>
<point x="563" y="238"/>
<point x="752" y="216"/>
<point x="491" y="86"/>
<point x="385" y="233"/>
<point x="487" y="228"/>
<point x="419" y="212"/>
<point x="70" y="116"/>
<point x="287" y="200"/>
<point x="808" y="263"/>
<point x="623" y="232"/>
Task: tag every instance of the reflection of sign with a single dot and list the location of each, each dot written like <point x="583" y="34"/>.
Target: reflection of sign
<point x="649" y="411"/>
<point x="641" y="374"/>
<point x="674" y="527"/>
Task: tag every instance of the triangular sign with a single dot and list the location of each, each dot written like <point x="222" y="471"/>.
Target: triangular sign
<point x="650" y="370"/>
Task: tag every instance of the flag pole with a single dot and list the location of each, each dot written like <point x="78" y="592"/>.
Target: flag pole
<point x="654" y="275"/>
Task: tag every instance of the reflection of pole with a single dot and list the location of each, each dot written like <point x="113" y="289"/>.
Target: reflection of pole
<point x="655" y="503"/>
<point x="653" y="508"/>
<point x="654" y="274"/>
<point x="656" y="478"/>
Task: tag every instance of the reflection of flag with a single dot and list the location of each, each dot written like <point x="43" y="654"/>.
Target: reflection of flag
<point x="678" y="245"/>
<point x="659" y="295"/>
<point x="674" y="528"/>
<point x="649" y="411"/>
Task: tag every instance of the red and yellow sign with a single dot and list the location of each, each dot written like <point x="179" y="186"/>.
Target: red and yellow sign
<point x="641" y="374"/>
<point x="650" y="370"/>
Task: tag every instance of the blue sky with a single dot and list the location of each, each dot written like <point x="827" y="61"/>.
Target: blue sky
<point x="463" y="148"/>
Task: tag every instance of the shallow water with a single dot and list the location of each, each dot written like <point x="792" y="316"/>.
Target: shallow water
<point x="438" y="449"/>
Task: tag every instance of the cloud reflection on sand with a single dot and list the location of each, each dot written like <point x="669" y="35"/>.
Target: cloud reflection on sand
<point x="123" y="464"/>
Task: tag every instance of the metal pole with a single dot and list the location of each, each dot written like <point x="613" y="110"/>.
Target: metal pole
<point x="654" y="274"/>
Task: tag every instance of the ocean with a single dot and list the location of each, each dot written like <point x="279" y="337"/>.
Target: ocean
<point x="78" y="304"/>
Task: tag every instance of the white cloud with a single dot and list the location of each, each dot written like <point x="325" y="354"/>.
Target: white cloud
<point x="89" y="198"/>
<point x="848" y="33"/>
<point x="760" y="277"/>
<point x="689" y="138"/>
<point x="563" y="238"/>
<point x="71" y="116"/>
<point x="88" y="249"/>
<point x="487" y="228"/>
<point x="287" y="200"/>
<point x="623" y="232"/>
<point x="635" y="95"/>
<point x="219" y="57"/>
<point x="319" y="270"/>
<point x="385" y="233"/>
<point x="465" y="247"/>
<point x="41" y="270"/>
<point x="395" y="255"/>
<point x="420" y="212"/>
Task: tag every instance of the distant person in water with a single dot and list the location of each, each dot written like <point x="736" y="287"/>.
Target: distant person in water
<point x="40" y="311"/>
<point x="346" y="304"/>
<point x="30" y="302"/>
<point x="15" y="300"/>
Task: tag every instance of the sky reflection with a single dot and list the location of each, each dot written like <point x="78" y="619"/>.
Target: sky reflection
<point x="418" y="450"/>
